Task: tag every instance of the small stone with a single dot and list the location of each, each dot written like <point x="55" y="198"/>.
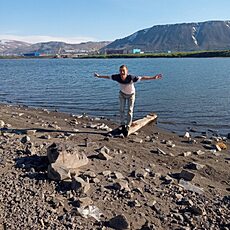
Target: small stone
<point x="46" y="137"/>
<point x="122" y="185"/>
<point x="106" y="173"/>
<point x="2" y="123"/>
<point x="137" y="140"/>
<point x="187" y="175"/>
<point x="79" y="183"/>
<point x="218" y="148"/>
<point x="210" y="147"/>
<point x="119" y="222"/>
<point x="118" y="175"/>
<point x="207" y="141"/>
<point x="25" y="139"/>
<point x="221" y="145"/>
<point x="104" y="156"/>
<point x="196" y="210"/>
<point x="194" y="165"/>
<point x="90" y="174"/>
<point x="186" y="154"/>
<point x="58" y="172"/>
<point x="161" y="151"/>
<point x="96" y="180"/>
<point x="84" y="201"/>
<point x="170" y="144"/>
<point x="199" y="152"/>
<point x="187" y="135"/>
<point x="140" y="173"/>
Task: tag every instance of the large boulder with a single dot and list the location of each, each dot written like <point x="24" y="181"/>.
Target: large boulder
<point x="64" y="160"/>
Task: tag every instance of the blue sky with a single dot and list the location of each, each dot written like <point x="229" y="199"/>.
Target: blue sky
<point x="76" y="21"/>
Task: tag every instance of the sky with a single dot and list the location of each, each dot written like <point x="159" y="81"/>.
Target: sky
<point x="76" y="21"/>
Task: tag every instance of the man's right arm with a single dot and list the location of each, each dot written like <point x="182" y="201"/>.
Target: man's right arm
<point x="100" y="76"/>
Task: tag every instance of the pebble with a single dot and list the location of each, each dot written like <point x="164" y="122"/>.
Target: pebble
<point x="28" y="198"/>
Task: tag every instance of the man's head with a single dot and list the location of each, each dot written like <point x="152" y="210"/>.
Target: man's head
<point x="123" y="70"/>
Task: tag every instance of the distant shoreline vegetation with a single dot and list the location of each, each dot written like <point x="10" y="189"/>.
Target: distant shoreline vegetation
<point x="194" y="54"/>
<point x="225" y="53"/>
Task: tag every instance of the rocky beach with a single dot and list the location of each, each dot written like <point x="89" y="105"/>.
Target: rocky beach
<point x="63" y="171"/>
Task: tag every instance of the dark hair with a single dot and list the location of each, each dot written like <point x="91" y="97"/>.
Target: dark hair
<point x="123" y="66"/>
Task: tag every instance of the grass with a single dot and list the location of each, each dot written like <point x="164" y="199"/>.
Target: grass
<point x="197" y="54"/>
<point x="221" y="53"/>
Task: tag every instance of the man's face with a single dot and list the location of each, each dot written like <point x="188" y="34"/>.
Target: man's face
<point x="123" y="72"/>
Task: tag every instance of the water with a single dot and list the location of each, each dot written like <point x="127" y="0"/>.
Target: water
<point x="193" y="92"/>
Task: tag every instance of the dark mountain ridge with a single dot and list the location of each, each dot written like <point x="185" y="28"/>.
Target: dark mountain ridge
<point x="210" y="35"/>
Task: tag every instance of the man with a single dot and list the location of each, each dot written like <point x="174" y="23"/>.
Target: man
<point x="127" y="93"/>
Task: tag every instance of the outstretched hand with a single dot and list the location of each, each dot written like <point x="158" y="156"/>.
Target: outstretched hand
<point x="158" y="76"/>
<point x="96" y="75"/>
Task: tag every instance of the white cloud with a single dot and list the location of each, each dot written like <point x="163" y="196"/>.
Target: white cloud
<point x="43" y="38"/>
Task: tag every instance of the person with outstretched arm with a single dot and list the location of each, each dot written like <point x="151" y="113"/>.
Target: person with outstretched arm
<point x="127" y="93"/>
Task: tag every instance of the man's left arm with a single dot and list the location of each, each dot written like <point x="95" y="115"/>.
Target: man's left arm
<point x="158" y="76"/>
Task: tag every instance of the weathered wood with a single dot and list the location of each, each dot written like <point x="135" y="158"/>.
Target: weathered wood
<point x="138" y="124"/>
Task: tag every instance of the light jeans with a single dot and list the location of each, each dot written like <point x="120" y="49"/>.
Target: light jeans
<point x="130" y="99"/>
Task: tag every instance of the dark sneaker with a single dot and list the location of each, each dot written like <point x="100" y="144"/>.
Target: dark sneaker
<point x="123" y="128"/>
<point x="125" y="132"/>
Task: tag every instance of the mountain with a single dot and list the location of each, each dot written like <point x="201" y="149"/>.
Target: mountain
<point x="8" y="47"/>
<point x="210" y="35"/>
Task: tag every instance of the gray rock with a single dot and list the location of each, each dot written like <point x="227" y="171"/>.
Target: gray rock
<point x="103" y="150"/>
<point x="122" y="185"/>
<point x="190" y="187"/>
<point x="138" y="173"/>
<point x="118" y="175"/>
<point x="25" y="139"/>
<point x="137" y="140"/>
<point x="199" y="152"/>
<point x="194" y="165"/>
<point x="161" y="151"/>
<point x="170" y="144"/>
<point x="103" y="153"/>
<point x="196" y="210"/>
<point x="68" y="158"/>
<point x="187" y="175"/>
<point x="2" y="123"/>
<point x="106" y="173"/>
<point x="186" y="154"/>
<point x="79" y="184"/>
<point x="209" y="146"/>
<point x="58" y="172"/>
<point x="207" y="141"/>
<point x="119" y="222"/>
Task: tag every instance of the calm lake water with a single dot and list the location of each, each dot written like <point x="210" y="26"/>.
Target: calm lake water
<point x="193" y="93"/>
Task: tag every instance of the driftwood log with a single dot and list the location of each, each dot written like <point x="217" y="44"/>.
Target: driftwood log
<point x="138" y="124"/>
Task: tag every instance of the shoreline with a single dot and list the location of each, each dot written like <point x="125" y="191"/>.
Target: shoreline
<point x="164" y="125"/>
<point x="138" y="181"/>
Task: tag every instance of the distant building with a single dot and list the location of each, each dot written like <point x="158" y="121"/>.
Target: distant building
<point x="32" y="54"/>
<point x="136" y="51"/>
